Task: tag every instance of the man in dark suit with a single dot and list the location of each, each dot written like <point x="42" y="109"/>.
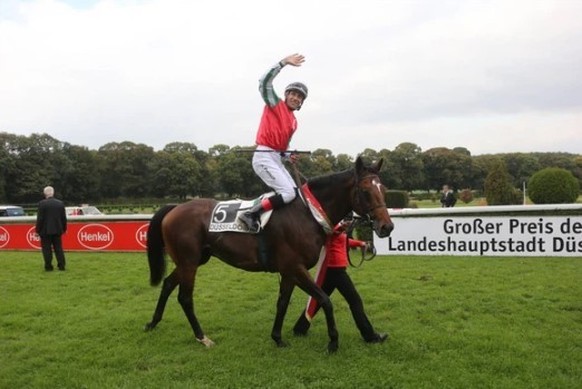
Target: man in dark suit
<point x="51" y="223"/>
<point x="447" y="197"/>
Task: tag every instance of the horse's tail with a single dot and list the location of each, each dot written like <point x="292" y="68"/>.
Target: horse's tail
<point x="155" y="244"/>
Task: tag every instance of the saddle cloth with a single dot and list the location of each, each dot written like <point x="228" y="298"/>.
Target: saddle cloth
<point x="224" y="216"/>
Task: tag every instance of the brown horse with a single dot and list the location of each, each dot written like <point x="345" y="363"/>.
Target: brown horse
<point x="292" y="241"/>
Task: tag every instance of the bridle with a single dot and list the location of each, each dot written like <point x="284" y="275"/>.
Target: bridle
<point x="360" y="194"/>
<point x="367" y="255"/>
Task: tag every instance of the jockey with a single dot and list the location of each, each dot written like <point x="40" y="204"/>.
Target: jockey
<point x="277" y="126"/>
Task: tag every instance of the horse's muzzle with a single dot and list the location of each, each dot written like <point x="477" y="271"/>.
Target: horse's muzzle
<point x="383" y="230"/>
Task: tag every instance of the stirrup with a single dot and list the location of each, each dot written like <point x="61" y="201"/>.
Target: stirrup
<point x="250" y="220"/>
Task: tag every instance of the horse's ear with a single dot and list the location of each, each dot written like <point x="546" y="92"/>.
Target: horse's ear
<point x="359" y="165"/>
<point x="378" y="165"/>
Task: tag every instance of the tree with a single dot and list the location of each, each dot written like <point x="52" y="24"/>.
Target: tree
<point x="343" y="162"/>
<point x="181" y="147"/>
<point x="520" y="167"/>
<point x="323" y="162"/>
<point x="369" y="155"/>
<point x="81" y="182"/>
<point x="445" y="166"/>
<point x="126" y="169"/>
<point x="176" y="173"/>
<point x="498" y="188"/>
<point x="406" y="160"/>
<point x="237" y="177"/>
<point x="31" y="167"/>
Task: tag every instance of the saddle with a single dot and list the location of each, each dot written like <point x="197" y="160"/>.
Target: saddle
<point x="224" y="216"/>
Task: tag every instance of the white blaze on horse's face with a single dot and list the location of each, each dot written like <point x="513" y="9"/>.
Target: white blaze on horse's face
<point x="378" y="185"/>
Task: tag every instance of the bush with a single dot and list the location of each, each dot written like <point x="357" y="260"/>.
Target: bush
<point x="498" y="188"/>
<point x="553" y="186"/>
<point x="396" y="199"/>
<point x="466" y="196"/>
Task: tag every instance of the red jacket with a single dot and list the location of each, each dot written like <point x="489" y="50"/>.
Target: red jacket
<point x="277" y="126"/>
<point x="336" y="253"/>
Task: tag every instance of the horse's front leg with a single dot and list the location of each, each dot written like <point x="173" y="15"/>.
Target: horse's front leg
<point x="285" y="290"/>
<point x="306" y="283"/>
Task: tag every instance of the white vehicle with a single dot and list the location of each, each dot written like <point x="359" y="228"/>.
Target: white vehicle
<point x="11" y="210"/>
<point x="83" y="210"/>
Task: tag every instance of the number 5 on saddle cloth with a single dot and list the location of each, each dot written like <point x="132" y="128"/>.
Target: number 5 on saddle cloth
<point x="224" y="216"/>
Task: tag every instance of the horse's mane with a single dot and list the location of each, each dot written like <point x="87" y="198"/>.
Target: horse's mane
<point x="328" y="179"/>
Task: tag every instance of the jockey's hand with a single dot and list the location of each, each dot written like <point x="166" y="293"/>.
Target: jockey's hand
<point x="293" y="59"/>
<point x="293" y="157"/>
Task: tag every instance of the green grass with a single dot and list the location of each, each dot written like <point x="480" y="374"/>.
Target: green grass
<point x="454" y="322"/>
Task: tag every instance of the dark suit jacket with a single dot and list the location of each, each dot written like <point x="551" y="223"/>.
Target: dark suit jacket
<point x="51" y="218"/>
<point x="448" y="199"/>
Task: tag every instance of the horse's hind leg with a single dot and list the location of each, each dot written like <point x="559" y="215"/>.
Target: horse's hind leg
<point x="285" y="290"/>
<point x="186" y="300"/>
<point x="168" y="287"/>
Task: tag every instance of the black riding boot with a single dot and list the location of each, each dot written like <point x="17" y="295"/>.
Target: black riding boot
<point x="251" y="217"/>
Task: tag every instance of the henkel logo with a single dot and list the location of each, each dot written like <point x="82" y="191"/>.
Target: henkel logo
<point x="4" y="237"/>
<point x="32" y="238"/>
<point x="141" y="235"/>
<point x="95" y="236"/>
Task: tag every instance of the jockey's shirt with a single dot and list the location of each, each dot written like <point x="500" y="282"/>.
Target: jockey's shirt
<point x="278" y="122"/>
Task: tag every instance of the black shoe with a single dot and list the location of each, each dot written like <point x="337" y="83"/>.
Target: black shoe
<point x="377" y="338"/>
<point x="251" y="220"/>
<point x="300" y="331"/>
<point x="61" y="268"/>
<point x="301" y="327"/>
<point x="49" y="268"/>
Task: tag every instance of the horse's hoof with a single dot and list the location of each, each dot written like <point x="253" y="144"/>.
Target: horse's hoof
<point x="332" y="347"/>
<point x="149" y="327"/>
<point x="206" y="341"/>
<point x="280" y="342"/>
<point x="378" y="338"/>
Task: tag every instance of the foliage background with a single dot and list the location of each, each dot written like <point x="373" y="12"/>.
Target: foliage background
<point x="126" y="171"/>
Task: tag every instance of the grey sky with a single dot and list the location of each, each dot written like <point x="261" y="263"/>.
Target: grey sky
<point x="492" y="76"/>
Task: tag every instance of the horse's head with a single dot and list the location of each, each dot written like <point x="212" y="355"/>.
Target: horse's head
<point x="368" y="197"/>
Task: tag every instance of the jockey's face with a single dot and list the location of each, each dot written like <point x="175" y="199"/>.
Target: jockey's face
<point x="293" y="99"/>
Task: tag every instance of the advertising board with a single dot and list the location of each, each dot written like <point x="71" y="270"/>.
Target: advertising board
<point x="94" y="235"/>
<point x="484" y="235"/>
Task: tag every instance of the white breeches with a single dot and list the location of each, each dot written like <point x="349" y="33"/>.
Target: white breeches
<point x="269" y="167"/>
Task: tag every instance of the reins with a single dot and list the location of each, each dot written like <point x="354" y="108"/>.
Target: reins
<point x="364" y="258"/>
